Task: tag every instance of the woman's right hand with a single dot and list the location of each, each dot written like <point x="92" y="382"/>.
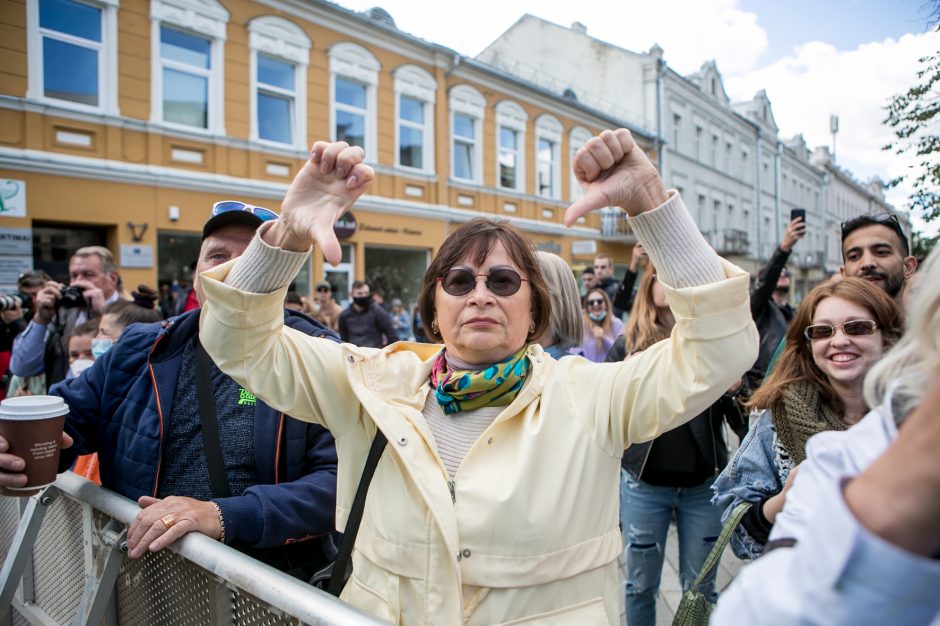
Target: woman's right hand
<point x="598" y="332"/>
<point x="327" y="185"/>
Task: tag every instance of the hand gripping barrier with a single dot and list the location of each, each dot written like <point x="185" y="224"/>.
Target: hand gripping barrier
<point x="64" y="562"/>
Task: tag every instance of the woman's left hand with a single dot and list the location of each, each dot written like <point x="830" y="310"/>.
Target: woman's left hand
<point x="614" y="171"/>
<point x="327" y="185"/>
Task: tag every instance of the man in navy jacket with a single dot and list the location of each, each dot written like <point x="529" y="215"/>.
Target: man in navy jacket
<point x="137" y="407"/>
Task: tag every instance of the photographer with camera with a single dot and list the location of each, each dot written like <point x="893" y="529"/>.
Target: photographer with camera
<point x="42" y="347"/>
<point x="15" y="312"/>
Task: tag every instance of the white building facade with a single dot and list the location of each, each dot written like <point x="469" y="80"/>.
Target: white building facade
<point x="738" y="177"/>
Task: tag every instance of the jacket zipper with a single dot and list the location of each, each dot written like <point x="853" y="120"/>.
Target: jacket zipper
<point x="156" y="393"/>
<point x="277" y="449"/>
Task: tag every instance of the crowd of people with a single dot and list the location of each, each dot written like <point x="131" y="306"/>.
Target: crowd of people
<point x="543" y="435"/>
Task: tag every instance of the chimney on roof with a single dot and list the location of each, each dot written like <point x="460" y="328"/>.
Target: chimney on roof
<point x="578" y="27"/>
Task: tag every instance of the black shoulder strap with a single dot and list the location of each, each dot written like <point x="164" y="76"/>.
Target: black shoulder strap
<point x="341" y="566"/>
<point x="211" y="443"/>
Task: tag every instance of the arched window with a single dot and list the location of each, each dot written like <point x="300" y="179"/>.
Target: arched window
<point x="72" y="53"/>
<point x="467" y="110"/>
<point x="278" y="67"/>
<point x="415" y="95"/>
<point x="577" y="137"/>
<point x="354" y="74"/>
<point x="548" y="132"/>
<point x="510" y="145"/>
<point x="187" y="51"/>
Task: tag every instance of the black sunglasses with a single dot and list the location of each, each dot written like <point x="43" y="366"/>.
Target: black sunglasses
<point x="502" y="281"/>
<point x="324" y="289"/>
<point x="853" y="328"/>
<point x="595" y="302"/>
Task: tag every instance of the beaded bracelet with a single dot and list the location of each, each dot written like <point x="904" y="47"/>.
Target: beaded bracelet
<point x="221" y="520"/>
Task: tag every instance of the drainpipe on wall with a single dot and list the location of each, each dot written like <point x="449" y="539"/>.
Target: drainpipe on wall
<point x="758" y="204"/>
<point x="778" y="162"/>
<point x="660" y="115"/>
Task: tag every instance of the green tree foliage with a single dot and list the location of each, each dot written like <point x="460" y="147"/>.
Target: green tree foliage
<point x="914" y="117"/>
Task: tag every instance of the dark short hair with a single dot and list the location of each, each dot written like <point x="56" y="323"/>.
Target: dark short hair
<point x="32" y="278"/>
<point x="588" y="270"/>
<point x="475" y="240"/>
<point x="889" y="220"/>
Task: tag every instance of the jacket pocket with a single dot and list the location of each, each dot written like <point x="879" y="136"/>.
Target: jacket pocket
<point x="373" y="590"/>
<point x="589" y="613"/>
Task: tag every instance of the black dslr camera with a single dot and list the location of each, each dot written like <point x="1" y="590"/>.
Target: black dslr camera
<point x="10" y="302"/>
<point x="72" y="298"/>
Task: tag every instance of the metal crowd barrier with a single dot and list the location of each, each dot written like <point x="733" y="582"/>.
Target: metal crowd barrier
<point x="64" y="562"/>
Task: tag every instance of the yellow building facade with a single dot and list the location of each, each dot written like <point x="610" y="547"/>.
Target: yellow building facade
<point x="123" y="121"/>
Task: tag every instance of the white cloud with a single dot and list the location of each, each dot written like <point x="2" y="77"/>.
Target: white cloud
<point x="708" y="29"/>
<point x="818" y="80"/>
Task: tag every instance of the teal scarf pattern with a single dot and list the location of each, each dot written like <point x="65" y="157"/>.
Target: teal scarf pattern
<point x="466" y="390"/>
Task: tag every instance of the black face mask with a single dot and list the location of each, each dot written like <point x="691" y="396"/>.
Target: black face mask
<point x="362" y="301"/>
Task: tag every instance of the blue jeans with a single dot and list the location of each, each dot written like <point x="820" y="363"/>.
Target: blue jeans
<point x="645" y="513"/>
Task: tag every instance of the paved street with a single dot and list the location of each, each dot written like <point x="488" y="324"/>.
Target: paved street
<point x="670" y="591"/>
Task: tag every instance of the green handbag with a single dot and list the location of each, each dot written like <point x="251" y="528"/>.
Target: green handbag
<point x="694" y="608"/>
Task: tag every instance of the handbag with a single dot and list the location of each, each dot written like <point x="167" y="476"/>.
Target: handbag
<point x="694" y="608"/>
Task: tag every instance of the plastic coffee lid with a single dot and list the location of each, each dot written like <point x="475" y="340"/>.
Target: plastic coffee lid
<point x="32" y="407"/>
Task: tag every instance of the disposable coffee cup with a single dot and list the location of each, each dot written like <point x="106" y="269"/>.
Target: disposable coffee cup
<point x="32" y="425"/>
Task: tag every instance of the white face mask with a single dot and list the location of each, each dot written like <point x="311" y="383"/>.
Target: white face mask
<point x="80" y="365"/>
<point x="100" y="346"/>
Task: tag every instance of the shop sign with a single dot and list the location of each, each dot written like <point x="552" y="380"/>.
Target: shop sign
<point x="16" y="242"/>
<point x="588" y="246"/>
<point x="345" y="226"/>
<point x="548" y="246"/>
<point x="390" y="230"/>
<point x="12" y="198"/>
<point x="136" y="255"/>
<point x="10" y="269"/>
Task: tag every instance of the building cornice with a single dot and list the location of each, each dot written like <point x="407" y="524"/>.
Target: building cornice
<point x="146" y="126"/>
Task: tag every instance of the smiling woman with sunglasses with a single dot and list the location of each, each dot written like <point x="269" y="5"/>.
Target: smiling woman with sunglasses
<point x="839" y="332"/>
<point x="495" y="499"/>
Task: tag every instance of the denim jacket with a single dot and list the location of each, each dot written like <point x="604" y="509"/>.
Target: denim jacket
<point x="758" y="470"/>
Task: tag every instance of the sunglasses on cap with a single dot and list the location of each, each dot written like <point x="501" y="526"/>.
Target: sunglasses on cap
<point x="501" y="281"/>
<point x="853" y="328"/>
<point x="261" y="213"/>
<point x="593" y="302"/>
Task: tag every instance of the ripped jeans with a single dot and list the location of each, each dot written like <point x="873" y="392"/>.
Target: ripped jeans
<point x="645" y="513"/>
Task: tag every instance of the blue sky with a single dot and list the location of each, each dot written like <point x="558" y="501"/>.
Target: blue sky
<point x="843" y="23"/>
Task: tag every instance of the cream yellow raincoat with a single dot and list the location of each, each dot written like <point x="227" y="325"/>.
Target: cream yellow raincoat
<point x="531" y="533"/>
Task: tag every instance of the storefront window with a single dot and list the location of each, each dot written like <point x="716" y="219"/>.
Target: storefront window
<point x="177" y="254"/>
<point x="54" y="244"/>
<point x="396" y="273"/>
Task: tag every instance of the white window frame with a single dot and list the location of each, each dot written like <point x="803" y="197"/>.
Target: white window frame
<point x="205" y="18"/>
<point x="285" y="41"/>
<point x="414" y="82"/>
<point x="577" y="137"/>
<point x="470" y="102"/>
<point x="512" y="116"/>
<point x="548" y="127"/>
<point x="353" y="62"/>
<point x="107" y="57"/>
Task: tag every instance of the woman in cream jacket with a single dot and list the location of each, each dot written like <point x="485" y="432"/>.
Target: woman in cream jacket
<point x="495" y="501"/>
